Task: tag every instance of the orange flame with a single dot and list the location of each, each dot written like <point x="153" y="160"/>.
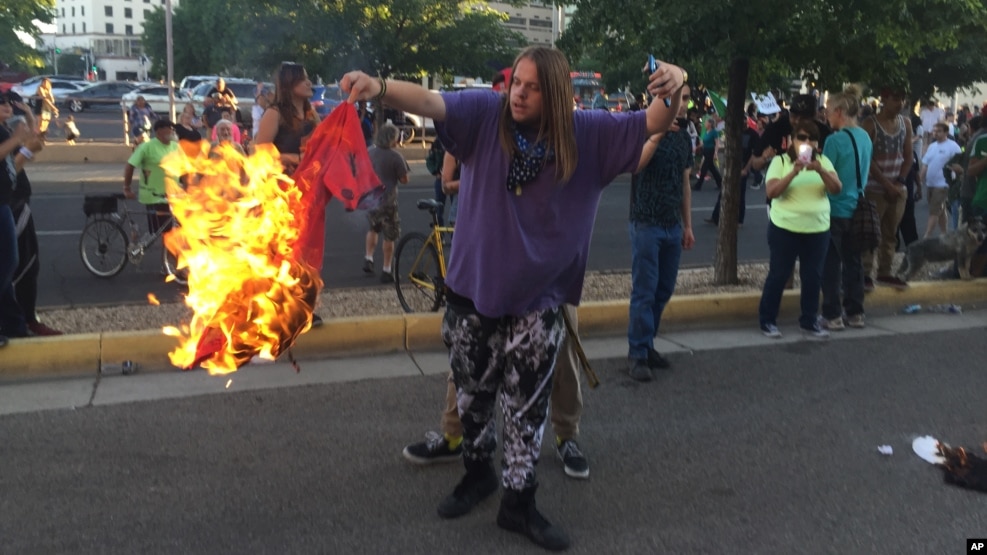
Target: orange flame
<point x="249" y="293"/>
<point x="153" y="299"/>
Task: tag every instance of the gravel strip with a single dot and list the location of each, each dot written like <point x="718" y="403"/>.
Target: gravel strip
<point x="382" y="300"/>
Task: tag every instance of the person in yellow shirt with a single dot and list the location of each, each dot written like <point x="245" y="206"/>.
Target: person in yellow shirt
<point x="797" y="183"/>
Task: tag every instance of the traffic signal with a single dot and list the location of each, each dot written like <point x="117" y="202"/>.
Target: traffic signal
<point x="58" y="51"/>
<point x="95" y="69"/>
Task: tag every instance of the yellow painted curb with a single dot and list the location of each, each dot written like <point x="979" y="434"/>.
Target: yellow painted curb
<point x="62" y="153"/>
<point x="423" y="332"/>
<point x="82" y="354"/>
<point x="349" y="336"/>
<point x="56" y="356"/>
<point x="148" y="348"/>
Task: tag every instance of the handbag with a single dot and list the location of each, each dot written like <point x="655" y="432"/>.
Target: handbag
<point x="865" y="224"/>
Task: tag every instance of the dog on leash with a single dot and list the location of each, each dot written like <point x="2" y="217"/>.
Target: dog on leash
<point x="958" y="245"/>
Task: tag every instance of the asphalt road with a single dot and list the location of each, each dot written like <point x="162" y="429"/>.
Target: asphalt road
<point x="772" y="449"/>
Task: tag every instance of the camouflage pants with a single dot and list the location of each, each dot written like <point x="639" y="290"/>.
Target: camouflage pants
<point x="512" y="355"/>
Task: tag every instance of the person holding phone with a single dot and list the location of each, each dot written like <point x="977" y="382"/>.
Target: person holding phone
<point x="798" y="182"/>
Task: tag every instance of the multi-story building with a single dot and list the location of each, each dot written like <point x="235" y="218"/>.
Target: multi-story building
<point x="539" y="22"/>
<point x="108" y="30"/>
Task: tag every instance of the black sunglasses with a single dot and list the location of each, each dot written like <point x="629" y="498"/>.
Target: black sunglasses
<point x="804" y="137"/>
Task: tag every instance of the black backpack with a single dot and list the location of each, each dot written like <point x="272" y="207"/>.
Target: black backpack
<point x="433" y="162"/>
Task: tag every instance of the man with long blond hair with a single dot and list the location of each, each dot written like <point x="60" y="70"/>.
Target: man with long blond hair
<point x="532" y="175"/>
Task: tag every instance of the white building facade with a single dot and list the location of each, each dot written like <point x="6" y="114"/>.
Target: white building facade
<point x="539" y="22"/>
<point x="109" y="30"/>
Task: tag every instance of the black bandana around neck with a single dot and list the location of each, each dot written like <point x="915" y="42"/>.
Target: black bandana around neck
<point x="526" y="164"/>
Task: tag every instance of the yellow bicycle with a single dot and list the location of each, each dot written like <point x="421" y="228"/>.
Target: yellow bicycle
<point x="420" y="264"/>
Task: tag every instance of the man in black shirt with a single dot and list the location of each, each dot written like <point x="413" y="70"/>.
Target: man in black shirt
<point x="660" y="228"/>
<point x="223" y="95"/>
<point x="778" y="133"/>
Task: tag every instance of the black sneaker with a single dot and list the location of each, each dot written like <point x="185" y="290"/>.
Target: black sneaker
<point x="316" y="320"/>
<point x="639" y="370"/>
<point x="435" y="449"/>
<point x="386" y="277"/>
<point x="892" y="281"/>
<point x="573" y="460"/>
<point x="656" y="361"/>
<point x="473" y="488"/>
<point x="368" y="266"/>
<point x="868" y="285"/>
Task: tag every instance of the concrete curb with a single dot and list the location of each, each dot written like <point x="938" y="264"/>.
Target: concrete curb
<point x="84" y="354"/>
<point x="63" y="153"/>
<point x="119" y="153"/>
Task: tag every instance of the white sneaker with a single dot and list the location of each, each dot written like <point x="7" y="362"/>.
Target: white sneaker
<point x="856" y="321"/>
<point x="836" y="324"/>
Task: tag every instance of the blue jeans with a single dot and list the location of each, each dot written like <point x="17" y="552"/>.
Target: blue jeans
<point x="787" y="246"/>
<point x="954" y="214"/>
<point x="842" y="271"/>
<point x="655" y="254"/>
<point x="743" y="204"/>
<point x="11" y="318"/>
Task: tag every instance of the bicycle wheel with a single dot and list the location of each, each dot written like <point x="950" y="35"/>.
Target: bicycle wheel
<point x="171" y="266"/>
<point x="103" y="247"/>
<point x="406" y="135"/>
<point x="417" y="274"/>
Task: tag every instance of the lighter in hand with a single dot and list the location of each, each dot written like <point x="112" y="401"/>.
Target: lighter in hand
<point x="653" y="67"/>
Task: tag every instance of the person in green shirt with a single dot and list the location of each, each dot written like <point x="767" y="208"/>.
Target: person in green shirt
<point x="151" y="190"/>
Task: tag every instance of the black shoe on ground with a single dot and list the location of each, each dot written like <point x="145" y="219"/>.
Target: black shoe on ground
<point x="473" y="488"/>
<point x="639" y="370"/>
<point x="386" y="277"/>
<point x="656" y="361"/>
<point x="868" y="285"/>
<point x="892" y="281"/>
<point x="316" y="320"/>
<point x="435" y="449"/>
<point x="518" y="513"/>
<point x="368" y="266"/>
<point x="573" y="461"/>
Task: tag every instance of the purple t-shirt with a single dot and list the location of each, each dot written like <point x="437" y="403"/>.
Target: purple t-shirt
<point x="516" y="254"/>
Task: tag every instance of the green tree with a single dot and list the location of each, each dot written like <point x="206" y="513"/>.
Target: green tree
<point x="394" y="37"/>
<point x="21" y="15"/>
<point x="749" y="45"/>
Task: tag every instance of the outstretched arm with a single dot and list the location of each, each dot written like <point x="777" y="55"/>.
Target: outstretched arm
<point x="665" y="82"/>
<point x="402" y="95"/>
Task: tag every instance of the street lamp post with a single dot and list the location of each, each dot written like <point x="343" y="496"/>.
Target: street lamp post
<point x="169" y="47"/>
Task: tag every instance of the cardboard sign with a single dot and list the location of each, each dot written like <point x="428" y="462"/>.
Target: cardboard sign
<point x="766" y="104"/>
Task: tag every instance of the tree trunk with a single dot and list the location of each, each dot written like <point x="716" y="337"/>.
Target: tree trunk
<point x="725" y="263"/>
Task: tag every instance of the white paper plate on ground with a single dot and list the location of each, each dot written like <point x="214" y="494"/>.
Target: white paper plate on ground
<point x="927" y="447"/>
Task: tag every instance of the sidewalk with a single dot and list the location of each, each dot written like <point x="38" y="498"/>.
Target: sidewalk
<point x="77" y="392"/>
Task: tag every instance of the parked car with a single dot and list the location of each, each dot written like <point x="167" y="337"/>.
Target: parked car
<point x="325" y="98"/>
<point x="190" y="82"/>
<point x="58" y="89"/>
<point x="105" y="94"/>
<point x="156" y="97"/>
